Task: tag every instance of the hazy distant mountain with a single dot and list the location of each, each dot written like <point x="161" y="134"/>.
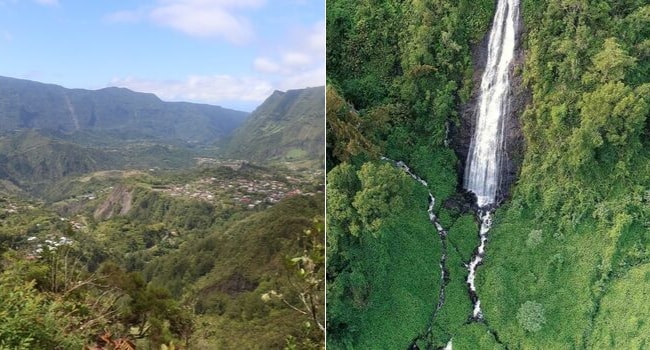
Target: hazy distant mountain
<point x="27" y="104"/>
<point x="287" y="126"/>
<point x="33" y="159"/>
<point x="29" y="158"/>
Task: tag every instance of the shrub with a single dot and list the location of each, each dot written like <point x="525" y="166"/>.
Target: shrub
<point x="531" y="316"/>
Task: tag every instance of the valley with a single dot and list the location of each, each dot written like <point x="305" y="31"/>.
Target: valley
<point x="119" y="234"/>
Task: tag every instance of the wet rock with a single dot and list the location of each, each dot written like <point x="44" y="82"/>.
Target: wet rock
<point x="462" y="202"/>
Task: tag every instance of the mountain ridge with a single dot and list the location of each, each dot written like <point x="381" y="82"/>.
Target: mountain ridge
<point x="287" y="126"/>
<point x="26" y="104"/>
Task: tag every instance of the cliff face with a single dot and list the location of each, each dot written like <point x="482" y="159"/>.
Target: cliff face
<point x="118" y="203"/>
<point x="461" y="134"/>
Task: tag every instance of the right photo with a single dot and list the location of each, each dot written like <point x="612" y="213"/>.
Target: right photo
<point x="488" y="174"/>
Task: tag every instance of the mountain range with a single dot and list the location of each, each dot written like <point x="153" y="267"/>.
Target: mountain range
<point x="27" y="104"/>
<point x="48" y="132"/>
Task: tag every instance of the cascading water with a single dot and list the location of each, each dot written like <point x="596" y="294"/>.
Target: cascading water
<point x="484" y="157"/>
<point x="482" y="173"/>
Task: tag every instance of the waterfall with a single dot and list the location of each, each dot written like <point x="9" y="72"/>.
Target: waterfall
<point x="482" y="173"/>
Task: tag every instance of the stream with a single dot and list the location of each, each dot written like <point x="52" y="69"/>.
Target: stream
<point x="486" y="222"/>
<point x="484" y="160"/>
<point x="442" y="234"/>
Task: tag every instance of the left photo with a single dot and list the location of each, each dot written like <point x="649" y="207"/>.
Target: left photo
<point x="162" y="174"/>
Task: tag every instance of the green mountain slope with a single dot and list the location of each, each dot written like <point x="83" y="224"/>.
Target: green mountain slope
<point x="33" y="160"/>
<point x="127" y="114"/>
<point x="287" y="126"/>
<point x="237" y="267"/>
<point x="30" y="159"/>
<point x="575" y="238"/>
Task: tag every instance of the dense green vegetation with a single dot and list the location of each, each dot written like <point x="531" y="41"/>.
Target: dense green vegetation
<point x="397" y="72"/>
<point x="374" y="256"/>
<point x="160" y="268"/>
<point x="571" y="243"/>
<point x="288" y="126"/>
<point x="31" y="160"/>
<point x="575" y="234"/>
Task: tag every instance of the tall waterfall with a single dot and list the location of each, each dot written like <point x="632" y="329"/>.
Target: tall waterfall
<point x="484" y="156"/>
<point x="483" y="169"/>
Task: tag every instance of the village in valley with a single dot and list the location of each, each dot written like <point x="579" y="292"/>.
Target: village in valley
<point x="241" y="188"/>
<point x="244" y="190"/>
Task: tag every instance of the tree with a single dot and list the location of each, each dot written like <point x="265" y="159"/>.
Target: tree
<point x="531" y="316"/>
<point x="611" y="116"/>
<point x="308" y="284"/>
<point x="380" y="194"/>
<point x="344" y="137"/>
<point x="610" y="64"/>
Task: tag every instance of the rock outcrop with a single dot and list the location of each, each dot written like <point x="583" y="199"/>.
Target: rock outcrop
<point x="119" y="202"/>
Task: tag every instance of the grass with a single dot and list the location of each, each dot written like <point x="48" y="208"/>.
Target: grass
<point x="561" y="273"/>
<point x="622" y="322"/>
<point x="406" y="280"/>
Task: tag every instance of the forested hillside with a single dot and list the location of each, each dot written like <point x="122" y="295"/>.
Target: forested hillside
<point x="569" y="244"/>
<point x="183" y="259"/>
<point x="288" y="126"/>
<point x="124" y="226"/>
<point x="397" y="74"/>
<point x="575" y="237"/>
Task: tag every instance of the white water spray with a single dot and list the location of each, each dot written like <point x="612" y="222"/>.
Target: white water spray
<point x="484" y="156"/>
<point x="482" y="174"/>
<point x="477" y="259"/>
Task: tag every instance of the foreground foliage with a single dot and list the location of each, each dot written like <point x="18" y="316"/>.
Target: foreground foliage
<point x="139" y="266"/>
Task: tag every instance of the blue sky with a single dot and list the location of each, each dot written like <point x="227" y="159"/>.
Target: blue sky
<point x="232" y="53"/>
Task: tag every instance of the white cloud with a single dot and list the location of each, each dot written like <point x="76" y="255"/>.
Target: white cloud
<point x="299" y="64"/>
<point x="208" y="22"/>
<point x="198" y="18"/>
<point x="214" y="89"/>
<point x="266" y="65"/>
<point x="297" y="59"/>
<point x="309" y="78"/>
